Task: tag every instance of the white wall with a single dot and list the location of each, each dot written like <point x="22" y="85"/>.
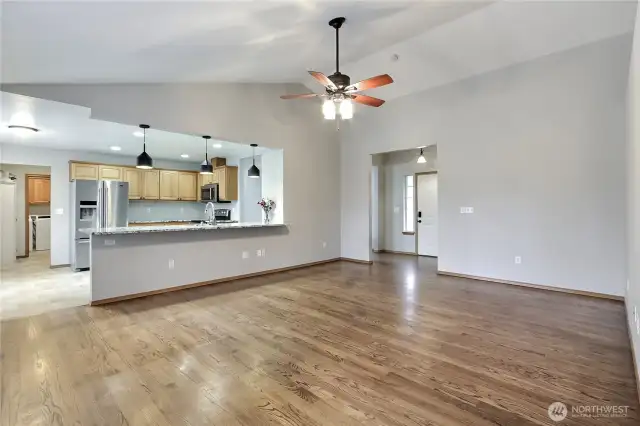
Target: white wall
<point x="273" y="183"/>
<point x="58" y="162"/>
<point x="537" y="149"/>
<point x="20" y="171"/>
<point x="244" y="113"/>
<point x="396" y="166"/>
<point x="632" y="297"/>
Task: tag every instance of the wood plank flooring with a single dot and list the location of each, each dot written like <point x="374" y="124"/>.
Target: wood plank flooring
<point x="336" y="344"/>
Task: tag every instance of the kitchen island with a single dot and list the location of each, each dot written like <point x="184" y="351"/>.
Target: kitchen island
<point x="136" y="261"/>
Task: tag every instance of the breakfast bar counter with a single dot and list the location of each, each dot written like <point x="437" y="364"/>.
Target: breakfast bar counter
<point x="137" y="261"/>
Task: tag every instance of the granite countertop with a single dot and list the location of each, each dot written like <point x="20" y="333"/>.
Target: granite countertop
<point x="175" y="228"/>
<point x="179" y="221"/>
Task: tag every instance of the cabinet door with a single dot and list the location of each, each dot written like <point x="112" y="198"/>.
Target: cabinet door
<point x="39" y="190"/>
<point x="133" y="176"/>
<point x="215" y="176"/>
<point x="187" y="183"/>
<point x="169" y="185"/>
<point x="150" y="184"/>
<point x="110" y="172"/>
<point x="45" y="191"/>
<point x="84" y="171"/>
<point x="221" y="174"/>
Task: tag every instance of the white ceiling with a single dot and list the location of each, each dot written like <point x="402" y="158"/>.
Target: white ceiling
<point x="206" y="41"/>
<point x="437" y="42"/>
<point x="70" y="127"/>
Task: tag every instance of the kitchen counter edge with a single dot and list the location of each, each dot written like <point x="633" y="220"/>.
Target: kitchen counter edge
<point x="175" y="228"/>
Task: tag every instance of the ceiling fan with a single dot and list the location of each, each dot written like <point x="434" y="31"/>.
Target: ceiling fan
<point x="339" y="88"/>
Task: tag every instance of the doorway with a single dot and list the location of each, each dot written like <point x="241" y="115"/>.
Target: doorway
<point x="427" y="214"/>
<point x="37" y="213"/>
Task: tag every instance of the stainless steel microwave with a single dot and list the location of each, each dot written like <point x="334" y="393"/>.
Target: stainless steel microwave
<point x="211" y="193"/>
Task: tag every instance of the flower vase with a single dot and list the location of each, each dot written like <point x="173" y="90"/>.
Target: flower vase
<point x="267" y="217"/>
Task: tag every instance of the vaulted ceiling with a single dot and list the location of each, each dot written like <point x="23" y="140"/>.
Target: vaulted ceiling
<point x="435" y="42"/>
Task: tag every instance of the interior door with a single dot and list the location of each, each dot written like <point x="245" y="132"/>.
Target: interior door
<point x="427" y="217"/>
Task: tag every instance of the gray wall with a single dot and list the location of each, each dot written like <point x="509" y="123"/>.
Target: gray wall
<point x="20" y="171"/>
<point x="243" y="113"/>
<point x="633" y="193"/>
<point x="537" y="149"/>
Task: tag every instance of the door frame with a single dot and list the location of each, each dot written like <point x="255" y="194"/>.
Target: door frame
<point x="415" y="213"/>
<point x="28" y="176"/>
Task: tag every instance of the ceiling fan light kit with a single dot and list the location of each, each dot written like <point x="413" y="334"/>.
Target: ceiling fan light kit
<point x="339" y="89"/>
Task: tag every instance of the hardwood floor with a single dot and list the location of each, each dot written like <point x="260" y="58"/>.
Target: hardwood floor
<point x="336" y="344"/>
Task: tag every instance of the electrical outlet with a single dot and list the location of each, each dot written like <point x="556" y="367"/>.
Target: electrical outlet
<point x="109" y="242"/>
<point x="396" y="209"/>
<point x="463" y="210"/>
<point x="245" y="254"/>
<point x="172" y="264"/>
<point x="517" y="260"/>
<point x="259" y="253"/>
<point x="148" y="209"/>
<point x="324" y="244"/>
<point x="469" y="209"/>
<point x="264" y="252"/>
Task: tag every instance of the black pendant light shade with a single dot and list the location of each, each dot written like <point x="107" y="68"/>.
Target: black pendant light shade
<point x="144" y="160"/>
<point x="254" y="172"/>
<point x="206" y="168"/>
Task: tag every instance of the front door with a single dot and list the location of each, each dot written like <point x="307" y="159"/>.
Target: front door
<point x="427" y="217"/>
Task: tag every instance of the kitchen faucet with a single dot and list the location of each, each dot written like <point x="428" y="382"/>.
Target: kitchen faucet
<point x="210" y="213"/>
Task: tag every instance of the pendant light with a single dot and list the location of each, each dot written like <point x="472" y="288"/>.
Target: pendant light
<point x="421" y="158"/>
<point x="206" y="168"/>
<point x="144" y="160"/>
<point x="254" y="172"/>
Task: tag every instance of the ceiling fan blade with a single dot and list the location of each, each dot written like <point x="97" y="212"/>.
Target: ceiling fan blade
<point x="370" y="83"/>
<point x="301" y="96"/>
<point x="323" y="79"/>
<point x="367" y="100"/>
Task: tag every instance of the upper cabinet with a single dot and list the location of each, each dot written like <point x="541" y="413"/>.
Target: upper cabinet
<point x="154" y="184"/>
<point x="39" y="188"/>
<point x="134" y="178"/>
<point x="227" y="177"/>
<point x="187" y="186"/>
<point x="106" y="172"/>
<point x="84" y="171"/>
<point x="169" y="185"/>
<point x="150" y="180"/>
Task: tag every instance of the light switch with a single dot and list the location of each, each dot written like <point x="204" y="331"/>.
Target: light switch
<point x="396" y="209"/>
<point x="59" y="211"/>
<point x="109" y="242"/>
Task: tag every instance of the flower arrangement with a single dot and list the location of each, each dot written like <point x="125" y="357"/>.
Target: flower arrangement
<point x="267" y="205"/>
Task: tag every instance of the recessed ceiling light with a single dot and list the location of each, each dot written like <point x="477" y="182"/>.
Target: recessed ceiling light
<point x="184" y="155"/>
<point x="217" y="145"/>
<point x="115" y="148"/>
<point x="138" y="134"/>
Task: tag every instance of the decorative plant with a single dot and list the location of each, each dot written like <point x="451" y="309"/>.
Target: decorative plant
<point x="267" y="205"/>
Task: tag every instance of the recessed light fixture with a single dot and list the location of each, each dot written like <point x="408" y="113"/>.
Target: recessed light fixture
<point x="184" y="155"/>
<point x="217" y="145"/>
<point x="138" y="134"/>
<point x="115" y="148"/>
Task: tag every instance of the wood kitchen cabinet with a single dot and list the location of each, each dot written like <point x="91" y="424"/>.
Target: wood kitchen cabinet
<point x="228" y="182"/>
<point x="106" y="172"/>
<point x="134" y="178"/>
<point x="84" y="171"/>
<point x="187" y="186"/>
<point x="150" y="180"/>
<point x="169" y="185"/>
<point x="39" y="189"/>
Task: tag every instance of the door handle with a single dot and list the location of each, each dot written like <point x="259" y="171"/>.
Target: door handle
<point x="419" y="221"/>
<point x="419" y="213"/>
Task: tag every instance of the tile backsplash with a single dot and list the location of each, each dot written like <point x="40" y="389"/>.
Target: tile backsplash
<point x="173" y="210"/>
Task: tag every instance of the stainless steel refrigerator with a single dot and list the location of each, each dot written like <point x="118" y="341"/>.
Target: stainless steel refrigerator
<point x="95" y="204"/>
